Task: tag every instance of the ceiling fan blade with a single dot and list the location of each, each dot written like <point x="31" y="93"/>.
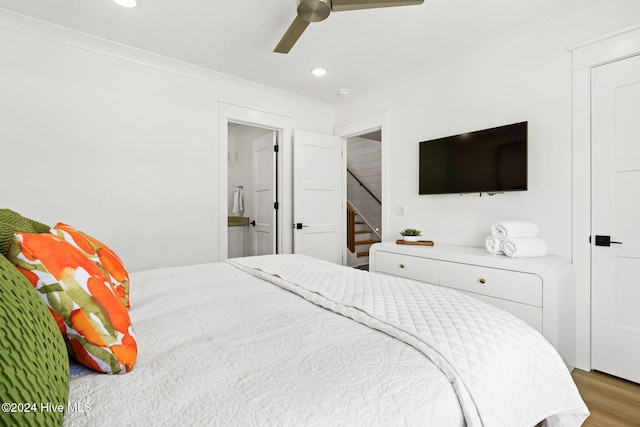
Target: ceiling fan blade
<point x="340" y="5"/>
<point x="292" y="35"/>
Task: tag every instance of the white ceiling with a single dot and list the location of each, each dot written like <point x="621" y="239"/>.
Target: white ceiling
<point x="360" y="49"/>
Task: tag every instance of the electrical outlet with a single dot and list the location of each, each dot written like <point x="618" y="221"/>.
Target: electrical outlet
<point x="400" y="211"/>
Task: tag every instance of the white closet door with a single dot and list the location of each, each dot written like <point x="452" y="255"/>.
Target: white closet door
<point x="616" y="217"/>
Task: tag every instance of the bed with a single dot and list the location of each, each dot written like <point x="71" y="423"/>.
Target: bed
<point x="294" y="341"/>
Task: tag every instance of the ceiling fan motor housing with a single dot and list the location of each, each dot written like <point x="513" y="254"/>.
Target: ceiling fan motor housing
<point x="314" y="10"/>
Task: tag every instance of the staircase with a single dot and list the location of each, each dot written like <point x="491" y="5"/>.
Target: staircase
<point x="360" y="236"/>
<point x="364" y="191"/>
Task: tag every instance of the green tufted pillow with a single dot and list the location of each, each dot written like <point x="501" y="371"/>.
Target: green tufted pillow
<point x="11" y="221"/>
<point x="34" y="362"/>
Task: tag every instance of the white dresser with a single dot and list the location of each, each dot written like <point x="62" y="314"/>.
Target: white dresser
<point x="540" y="291"/>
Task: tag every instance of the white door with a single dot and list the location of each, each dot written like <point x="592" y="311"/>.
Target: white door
<point x="615" y="155"/>
<point x="264" y="195"/>
<point x="318" y="192"/>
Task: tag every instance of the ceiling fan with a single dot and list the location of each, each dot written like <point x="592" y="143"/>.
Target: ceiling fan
<point x="318" y="10"/>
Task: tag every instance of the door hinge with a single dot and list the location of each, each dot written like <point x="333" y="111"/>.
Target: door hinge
<point x="276" y="205"/>
<point x="276" y="148"/>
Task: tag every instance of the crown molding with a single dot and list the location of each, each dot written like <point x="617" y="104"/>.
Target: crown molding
<point x="75" y="39"/>
<point x="553" y="24"/>
<point x="608" y="47"/>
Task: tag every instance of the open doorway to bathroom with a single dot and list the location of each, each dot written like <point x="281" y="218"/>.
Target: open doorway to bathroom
<point x="252" y="195"/>
<point x="364" y="196"/>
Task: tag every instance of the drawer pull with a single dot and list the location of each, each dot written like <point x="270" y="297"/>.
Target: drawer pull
<point x="483" y="280"/>
<point x="401" y="265"/>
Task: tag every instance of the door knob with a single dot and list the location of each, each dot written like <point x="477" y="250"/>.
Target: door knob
<point x="299" y="225"/>
<point x="253" y="223"/>
<point x="605" y="241"/>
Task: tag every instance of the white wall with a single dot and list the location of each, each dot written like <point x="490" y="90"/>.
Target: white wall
<point x="523" y="77"/>
<point x="120" y="143"/>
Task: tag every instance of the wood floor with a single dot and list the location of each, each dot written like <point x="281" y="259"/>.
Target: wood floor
<point x="613" y="402"/>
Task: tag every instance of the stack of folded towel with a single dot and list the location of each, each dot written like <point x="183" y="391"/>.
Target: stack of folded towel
<point x="515" y="239"/>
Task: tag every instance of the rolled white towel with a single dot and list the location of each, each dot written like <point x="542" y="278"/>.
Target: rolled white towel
<point x="523" y="247"/>
<point x="514" y="228"/>
<point x="493" y="245"/>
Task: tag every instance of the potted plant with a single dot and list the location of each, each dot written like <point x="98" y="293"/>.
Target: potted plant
<point x="410" y="234"/>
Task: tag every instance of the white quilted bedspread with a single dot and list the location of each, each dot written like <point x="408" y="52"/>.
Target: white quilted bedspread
<point x="504" y="372"/>
<point x="219" y="347"/>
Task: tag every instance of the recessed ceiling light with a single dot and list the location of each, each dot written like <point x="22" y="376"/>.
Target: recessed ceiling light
<point x="318" y="72"/>
<point x="127" y="3"/>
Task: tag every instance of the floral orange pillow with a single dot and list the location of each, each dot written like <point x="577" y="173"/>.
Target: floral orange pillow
<point x="99" y="253"/>
<point x="93" y="319"/>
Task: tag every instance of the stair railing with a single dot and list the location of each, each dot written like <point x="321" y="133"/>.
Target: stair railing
<point x="364" y="186"/>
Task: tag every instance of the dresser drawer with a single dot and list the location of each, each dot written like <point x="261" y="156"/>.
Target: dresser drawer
<point x="417" y="268"/>
<point x="525" y="288"/>
<point x="530" y="314"/>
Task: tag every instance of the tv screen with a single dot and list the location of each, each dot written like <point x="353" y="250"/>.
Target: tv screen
<point x="486" y="161"/>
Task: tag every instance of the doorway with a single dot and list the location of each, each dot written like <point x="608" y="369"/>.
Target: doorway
<point x="252" y="190"/>
<point x="374" y="126"/>
<point x="364" y="196"/>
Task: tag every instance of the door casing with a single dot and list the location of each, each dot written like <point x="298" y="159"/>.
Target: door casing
<point x="607" y="48"/>
<point x="233" y="113"/>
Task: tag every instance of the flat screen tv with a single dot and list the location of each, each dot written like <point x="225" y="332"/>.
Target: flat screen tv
<point x="486" y="161"/>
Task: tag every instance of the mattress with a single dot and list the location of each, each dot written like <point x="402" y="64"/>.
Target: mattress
<point x="219" y="346"/>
